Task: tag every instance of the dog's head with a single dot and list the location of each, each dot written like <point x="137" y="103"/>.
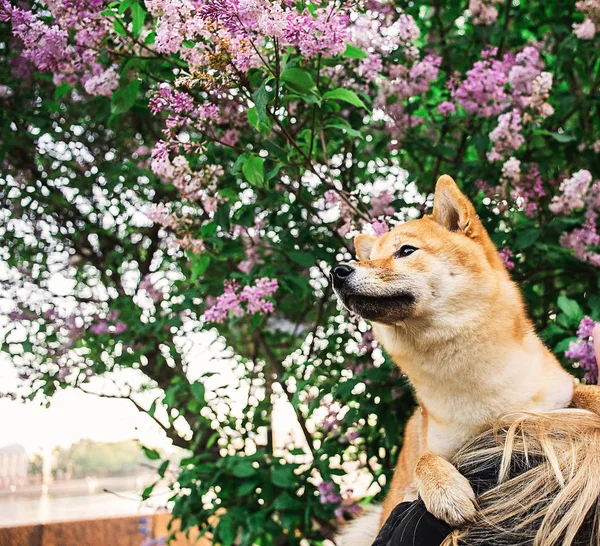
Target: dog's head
<point x="437" y="266"/>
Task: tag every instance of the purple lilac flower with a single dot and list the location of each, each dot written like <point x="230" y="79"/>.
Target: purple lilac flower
<point x="231" y="300"/>
<point x="100" y="328"/>
<point x="573" y="191"/>
<point x="483" y="91"/>
<point x="582" y="350"/>
<point x="446" y="108"/>
<point x="327" y="493"/>
<point x="379" y="226"/>
<point x="166" y="98"/>
<point x="506" y="256"/>
<point x="506" y="137"/>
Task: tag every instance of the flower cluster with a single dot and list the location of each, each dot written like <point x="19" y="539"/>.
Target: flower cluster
<point x="572" y="193"/>
<point x="582" y="350"/>
<point x="483" y="91"/>
<point x="68" y="48"/>
<point x="591" y="9"/>
<point x="578" y="192"/>
<point x="506" y="255"/>
<point x="506" y="137"/>
<point x="484" y="12"/>
<point x="232" y="300"/>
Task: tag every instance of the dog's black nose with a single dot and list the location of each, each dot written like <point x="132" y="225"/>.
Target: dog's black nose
<point x="341" y="272"/>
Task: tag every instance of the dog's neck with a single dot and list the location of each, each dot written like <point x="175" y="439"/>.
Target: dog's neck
<point x="472" y="368"/>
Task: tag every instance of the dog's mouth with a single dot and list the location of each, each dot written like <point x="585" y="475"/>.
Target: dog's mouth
<point x="387" y="309"/>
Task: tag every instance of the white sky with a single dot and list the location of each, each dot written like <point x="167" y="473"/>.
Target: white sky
<point x="72" y="415"/>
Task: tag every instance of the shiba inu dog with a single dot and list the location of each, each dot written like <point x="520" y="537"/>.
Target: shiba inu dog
<point x="443" y="306"/>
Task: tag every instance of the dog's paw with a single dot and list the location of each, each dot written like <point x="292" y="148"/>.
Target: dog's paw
<point x="447" y="494"/>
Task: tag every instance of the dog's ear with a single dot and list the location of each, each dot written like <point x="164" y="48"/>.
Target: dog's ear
<point x="451" y="208"/>
<point x="363" y="244"/>
<point x="455" y="212"/>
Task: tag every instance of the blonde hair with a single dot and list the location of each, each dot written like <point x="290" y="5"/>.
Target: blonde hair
<point x="548" y="489"/>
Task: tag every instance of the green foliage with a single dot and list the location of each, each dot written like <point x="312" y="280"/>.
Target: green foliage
<point x="77" y="182"/>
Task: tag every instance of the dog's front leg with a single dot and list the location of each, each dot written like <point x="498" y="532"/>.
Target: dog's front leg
<point x="587" y="397"/>
<point x="447" y="494"/>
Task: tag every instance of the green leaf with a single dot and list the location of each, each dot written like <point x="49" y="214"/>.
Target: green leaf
<point x="235" y="169"/>
<point x="123" y="99"/>
<point x="253" y="117"/>
<point x="283" y="476"/>
<point x="571" y="309"/>
<point x="345" y="95"/>
<point x="119" y="28"/>
<point x="563" y="344"/>
<point x="148" y="491"/>
<point x="138" y="15"/>
<point x="61" y="91"/>
<point x="261" y="101"/>
<point x="254" y="170"/>
<point x="345" y="127"/>
<point x="199" y="265"/>
<point x="298" y="80"/>
<point x="526" y="238"/>
<point x="124" y="5"/>
<point x="246" y="488"/>
<point x="198" y="391"/>
<point x="353" y="52"/>
<point x="163" y="468"/>
<point x="562" y="137"/>
<point x="226" y="530"/>
<point x="222" y="216"/>
<point x="243" y="469"/>
<point x="305" y="259"/>
<point x="286" y="501"/>
<point x="152" y="454"/>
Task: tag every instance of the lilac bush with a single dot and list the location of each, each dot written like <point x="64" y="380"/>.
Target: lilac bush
<point x="175" y="170"/>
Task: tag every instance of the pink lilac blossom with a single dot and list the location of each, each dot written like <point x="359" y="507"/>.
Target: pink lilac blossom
<point x="506" y="255"/>
<point x="446" y="107"/>
<point x="573" y="191"/>
<point x="483" y="90"/>
<point x="591" y="9"/>
<point x="68" y="44"/>
<point x="582" y="350"/>
<point x="407" y="81"/>
<point x="528" y="64"/>
<point x="104" y="83"/>
<point x="540" y="92"/>
<point x="160" y="214"/>
<point x="581" y="239"/>
<point x="166" y="98"/>
<point x="381" y="204"/>
<point x="231" y="300"/>
<point x="322" y="33"/>
<point x="379" y="226"/>
<point x="528" y="190"/>
<point x="506" y="137"/>
<point x="483" y="12"/>
<point x="154" y="293"/>
<point x="585" y="30"/>
<point x="187" y="242"/>
<point x="511" y="170"/>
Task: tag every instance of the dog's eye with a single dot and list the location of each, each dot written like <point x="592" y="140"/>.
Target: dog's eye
<point x="405" y="250"/>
